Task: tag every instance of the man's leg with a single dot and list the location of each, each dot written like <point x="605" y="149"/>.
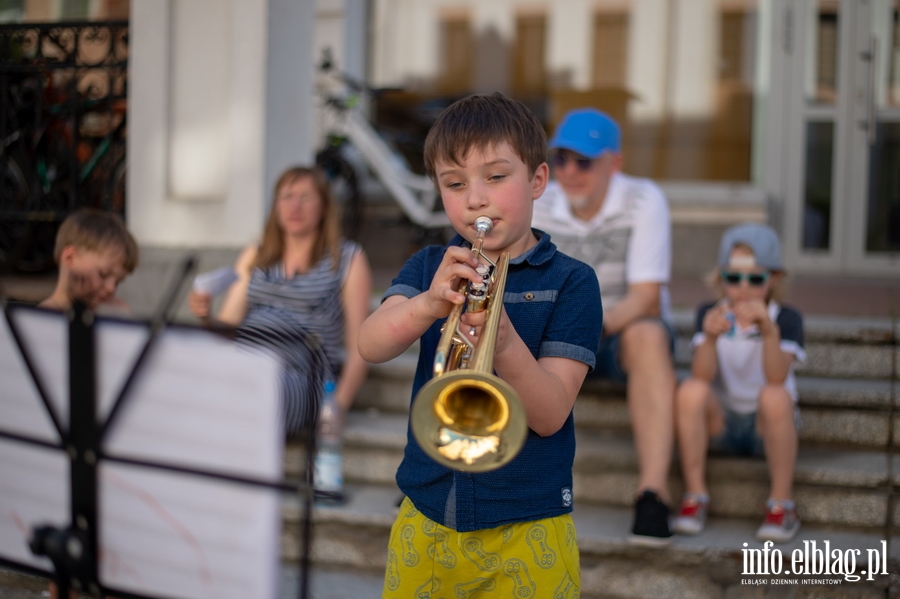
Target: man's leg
<point x="646" y="359"/>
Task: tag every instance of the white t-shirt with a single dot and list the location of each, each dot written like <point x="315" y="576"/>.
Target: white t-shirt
<point x="740" y="376"/>
<point x="628" y="241"/>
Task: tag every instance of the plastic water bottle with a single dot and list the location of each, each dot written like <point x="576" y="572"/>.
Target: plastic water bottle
<point x="730" y="317"/>
<point x="329" y="462"/>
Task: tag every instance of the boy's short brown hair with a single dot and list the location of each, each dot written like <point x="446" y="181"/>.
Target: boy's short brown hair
<point x="95" y="230"/>
<point x="482" y="121"/>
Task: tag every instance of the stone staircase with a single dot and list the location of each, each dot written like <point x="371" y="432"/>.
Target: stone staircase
<point x="845" y="481"/>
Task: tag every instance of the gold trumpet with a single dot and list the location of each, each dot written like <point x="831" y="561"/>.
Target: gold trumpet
<point x="466" y="418"/>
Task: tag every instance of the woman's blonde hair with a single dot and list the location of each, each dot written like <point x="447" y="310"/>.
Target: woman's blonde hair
<point x="713" y="279"/>
<point x="271" y="249"/>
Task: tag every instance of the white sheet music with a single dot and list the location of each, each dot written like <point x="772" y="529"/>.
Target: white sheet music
<point x="118" y="347"/>
<point x="204" y="402"/>
<point x="173" y="535"/>
<point x="34" y="491"/>
<point x="199" y="401"/>
<point x="21" y="409"/>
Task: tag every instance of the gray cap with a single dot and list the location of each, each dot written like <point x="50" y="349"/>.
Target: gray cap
<point x="762" y="239"/>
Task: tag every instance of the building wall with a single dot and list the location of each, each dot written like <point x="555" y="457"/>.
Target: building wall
<point x="220" y="102"/>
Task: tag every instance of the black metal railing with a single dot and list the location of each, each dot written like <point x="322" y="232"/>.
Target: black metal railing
<point x="63" y="105"/>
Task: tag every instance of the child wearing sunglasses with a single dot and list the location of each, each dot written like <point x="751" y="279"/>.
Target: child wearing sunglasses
<point x="741" y="396"/>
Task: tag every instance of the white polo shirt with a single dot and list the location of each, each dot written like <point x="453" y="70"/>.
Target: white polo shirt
<point x="740" y="376"/>
<point x="628" y="241"/>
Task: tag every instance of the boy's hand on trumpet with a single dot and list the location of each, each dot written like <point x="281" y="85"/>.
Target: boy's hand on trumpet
<point x="472" y="323"/>
<point x="458" y="265"/>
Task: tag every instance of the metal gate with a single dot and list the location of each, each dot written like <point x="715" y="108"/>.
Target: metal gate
<point x="63" y="105"/>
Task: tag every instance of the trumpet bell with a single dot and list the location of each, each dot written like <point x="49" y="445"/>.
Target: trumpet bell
<point x="469" y="421"/>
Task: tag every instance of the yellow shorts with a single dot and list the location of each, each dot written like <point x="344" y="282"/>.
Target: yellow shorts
<point x="525" y="560"/>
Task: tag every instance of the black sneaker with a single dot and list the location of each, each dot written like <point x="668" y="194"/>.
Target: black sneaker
<point x="651" y="521"/>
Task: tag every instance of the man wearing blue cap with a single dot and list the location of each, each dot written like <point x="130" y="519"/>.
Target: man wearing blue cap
<point x="620" y="226"/>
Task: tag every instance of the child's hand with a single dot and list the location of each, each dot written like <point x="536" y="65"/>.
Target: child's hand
<point x="88" y="286"/>
<point x="716" y="322"/>
<point x="754" y="311"/>
<point x="200" y="304"/>
<point x="474" y="321"/>
<point x="457" y="265"/>
<point x="81" y="287"/>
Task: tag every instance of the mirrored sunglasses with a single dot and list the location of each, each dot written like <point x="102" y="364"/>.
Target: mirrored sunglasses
<point x="560" y="159"/>
<point x="754" y="279"/>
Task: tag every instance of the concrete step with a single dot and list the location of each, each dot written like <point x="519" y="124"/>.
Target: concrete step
<point x="837" y="487"/>
<point x="325" y="583"/>
<point x="355" y="536"/>
<point x="851" y="412"/>
<point x="836" y="347"/>
<point x="822" y="425"/>
<point x="860" y="349"/>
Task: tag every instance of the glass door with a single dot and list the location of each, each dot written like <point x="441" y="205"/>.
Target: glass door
<point x="873" y="218"/>
<point x="842" y="210"/>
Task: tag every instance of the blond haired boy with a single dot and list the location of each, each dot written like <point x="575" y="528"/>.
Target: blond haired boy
<point x="94" y="252"/>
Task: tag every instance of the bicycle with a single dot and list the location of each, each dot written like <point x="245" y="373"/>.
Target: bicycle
<point x="354" y="148"/>
<point x="45" y="173"/>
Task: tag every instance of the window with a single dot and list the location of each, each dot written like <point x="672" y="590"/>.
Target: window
<point x="529" y="75"/>
<point x="456" y="55"/>
<point x="610" y="50"/>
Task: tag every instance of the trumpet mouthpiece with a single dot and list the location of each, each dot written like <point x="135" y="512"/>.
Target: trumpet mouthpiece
<point x="483" y="225"/>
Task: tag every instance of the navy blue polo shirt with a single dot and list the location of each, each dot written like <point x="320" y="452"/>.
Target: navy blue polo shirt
<point x="553" y="301"/>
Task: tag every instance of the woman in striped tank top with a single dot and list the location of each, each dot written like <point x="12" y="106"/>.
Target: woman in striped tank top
<point x="302" y="292"/>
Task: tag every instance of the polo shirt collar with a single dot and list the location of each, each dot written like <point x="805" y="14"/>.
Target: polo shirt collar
<point x="538" y="254"/>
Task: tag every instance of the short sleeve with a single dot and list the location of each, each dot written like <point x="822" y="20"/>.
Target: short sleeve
<point x="650" y="246"/>
<point x="409" y="281"/>
<point x="790" y="324"/>
<point x="699" y="337"/>
<point x="573" y="329"/>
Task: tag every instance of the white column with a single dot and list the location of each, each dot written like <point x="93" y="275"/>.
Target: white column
<point x="289" y="88"/>
<point x="570" y="26"/>
<point x="695" y="50"/>
<point x="356" y="37"/>
<point x="494" y="29"/>
<point x="648" y="35"/>
<point x="219" y="102"/>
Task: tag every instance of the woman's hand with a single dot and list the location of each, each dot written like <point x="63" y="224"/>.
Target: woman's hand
<point x="200" y="304"/>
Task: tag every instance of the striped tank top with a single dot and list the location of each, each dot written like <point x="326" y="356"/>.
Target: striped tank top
<point x="300" y="319"/>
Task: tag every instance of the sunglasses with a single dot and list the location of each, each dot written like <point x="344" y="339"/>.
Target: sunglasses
<point x="560" y="159"/>
<point x="754" y="279"/>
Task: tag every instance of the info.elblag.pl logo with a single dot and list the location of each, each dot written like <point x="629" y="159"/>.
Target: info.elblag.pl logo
<point x="815" y="560"/>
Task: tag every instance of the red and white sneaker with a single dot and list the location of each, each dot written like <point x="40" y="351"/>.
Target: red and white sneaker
<point x="781" y="522"/>
<point x="692" y="516"/>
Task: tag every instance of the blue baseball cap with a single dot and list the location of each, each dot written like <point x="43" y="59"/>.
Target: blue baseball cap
<point x="588" y="132"/>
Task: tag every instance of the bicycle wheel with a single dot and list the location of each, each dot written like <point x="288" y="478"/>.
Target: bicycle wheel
<point x="26" y="237"/>
<point x="114" y="193"/>
<point x="344" y="188"/>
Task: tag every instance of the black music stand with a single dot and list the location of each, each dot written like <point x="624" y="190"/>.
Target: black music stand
<point x="107" y="508"/>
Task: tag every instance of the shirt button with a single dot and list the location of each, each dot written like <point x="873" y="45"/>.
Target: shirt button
<point x="529" y="296"/>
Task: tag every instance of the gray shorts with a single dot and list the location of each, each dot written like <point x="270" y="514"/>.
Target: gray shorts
<point x="608" y="363"/>
<point x="739" y="437"/>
